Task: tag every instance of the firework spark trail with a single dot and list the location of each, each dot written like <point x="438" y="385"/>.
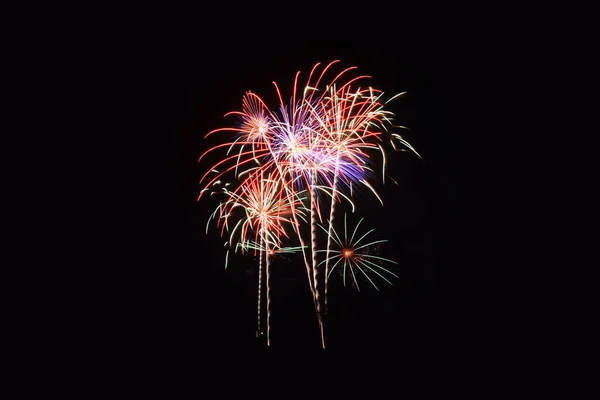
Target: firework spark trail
<point x="268" y="267"/>
<point x="331" y="216"/>
<point x="260" y="273"/>
<point x="313" y="219"/>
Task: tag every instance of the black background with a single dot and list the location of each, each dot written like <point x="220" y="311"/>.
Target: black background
<point x="162" y="302"/>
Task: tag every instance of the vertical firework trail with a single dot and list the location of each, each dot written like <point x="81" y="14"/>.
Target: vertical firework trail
<point x="313" y="232"/>
<point x="268" y="266"/>
<point x="329" y="232"/>
<point x="260" y="278"/>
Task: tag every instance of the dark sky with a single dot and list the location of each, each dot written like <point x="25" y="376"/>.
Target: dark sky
<point x="174" y="301"/>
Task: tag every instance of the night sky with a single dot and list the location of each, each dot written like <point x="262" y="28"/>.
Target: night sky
<point x="173" y="302"/>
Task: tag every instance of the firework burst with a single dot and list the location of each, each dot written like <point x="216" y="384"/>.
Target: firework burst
<point x="353" y="255"/>
<point x="282" y="163"/>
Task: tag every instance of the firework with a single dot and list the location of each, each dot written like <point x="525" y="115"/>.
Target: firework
<point x="278" y="160"/>
<point x="354" y="256"/>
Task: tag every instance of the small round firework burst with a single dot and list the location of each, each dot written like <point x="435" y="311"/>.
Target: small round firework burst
<point x="356" y="256"/>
